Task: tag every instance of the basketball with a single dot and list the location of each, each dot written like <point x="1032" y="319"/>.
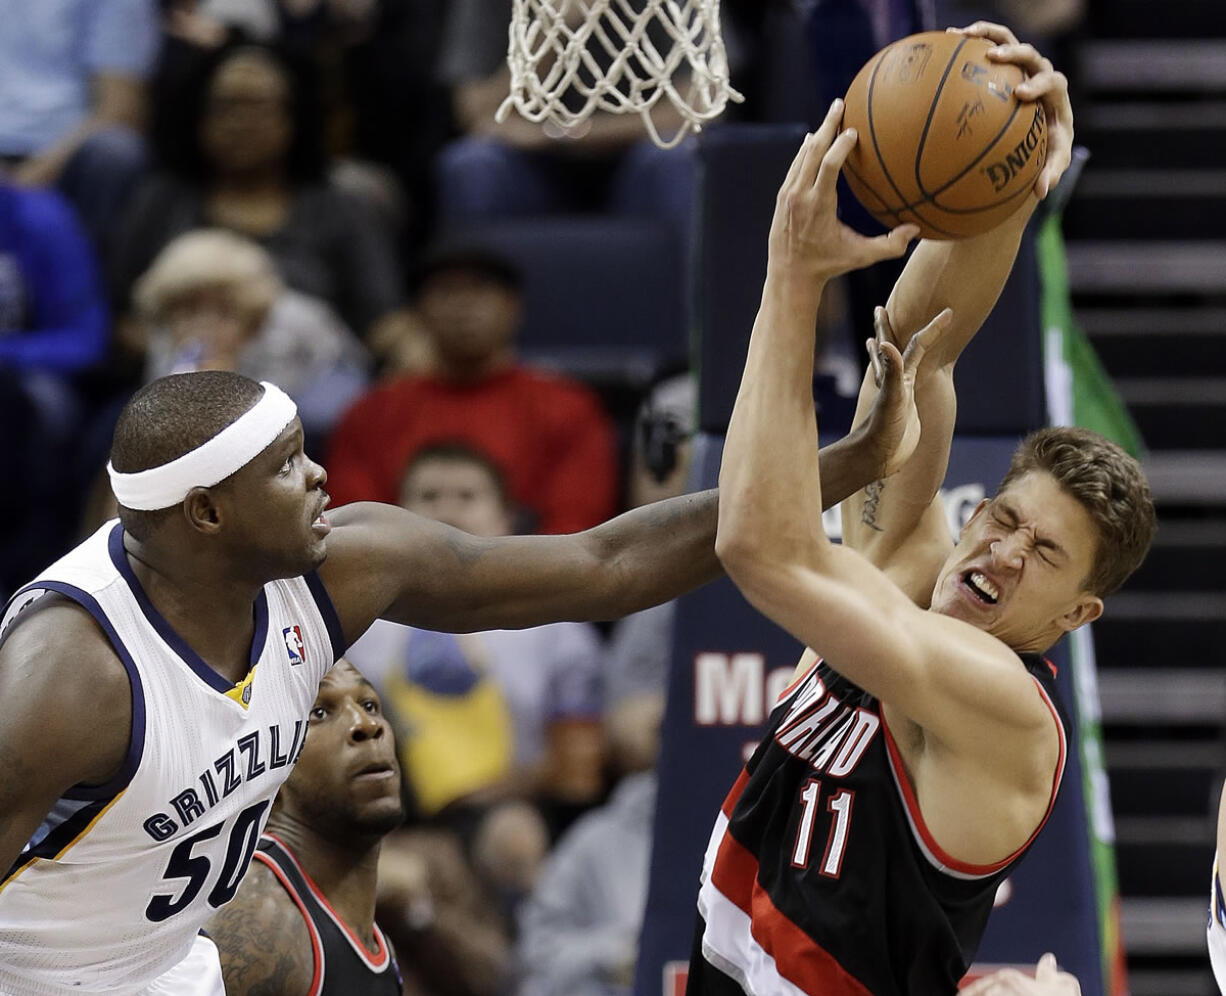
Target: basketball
<point x="943" y="141"/>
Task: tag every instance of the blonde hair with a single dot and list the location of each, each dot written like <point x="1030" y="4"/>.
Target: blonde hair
<point x="209" y="258"/>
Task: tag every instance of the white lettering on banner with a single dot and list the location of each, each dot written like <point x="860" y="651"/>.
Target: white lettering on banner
<point x="734" y="689"/>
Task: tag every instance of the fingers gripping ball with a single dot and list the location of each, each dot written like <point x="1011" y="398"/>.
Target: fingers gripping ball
<point x="944" y="142"/>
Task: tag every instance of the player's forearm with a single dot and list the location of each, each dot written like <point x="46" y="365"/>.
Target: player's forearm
<point x="770" y="480"/>
<point x="966" y="275"/>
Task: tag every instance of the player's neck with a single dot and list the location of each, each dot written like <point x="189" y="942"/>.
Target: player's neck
<point x="213" y="614"/>
<point x="346" y="873"/>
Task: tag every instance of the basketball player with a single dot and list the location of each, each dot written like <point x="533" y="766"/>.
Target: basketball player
<point x="1216" y="930"/>
<point x="919" y="749"/>
<point x="303" y="920"/>
<point x="155" y="683"/>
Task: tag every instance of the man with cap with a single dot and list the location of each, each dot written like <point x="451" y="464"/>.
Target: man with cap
<point x="156" y="681"/>
<point x="547" y="433"/>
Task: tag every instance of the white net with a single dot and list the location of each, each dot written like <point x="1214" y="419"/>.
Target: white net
<point x="570" y="58"/>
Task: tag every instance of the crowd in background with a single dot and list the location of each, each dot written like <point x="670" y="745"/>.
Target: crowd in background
<point x="275" y="187"/>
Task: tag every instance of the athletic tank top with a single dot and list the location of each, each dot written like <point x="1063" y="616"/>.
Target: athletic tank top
<point x="343" y="966"/>
<point x="112" y="889"/>
<point x="1217" y="927"/>
<point x="821" y="877"/>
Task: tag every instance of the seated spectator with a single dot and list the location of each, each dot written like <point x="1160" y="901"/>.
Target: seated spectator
<point x="579" y="930"/>
<point x="72" y="99"/>
<point x="516" y="168"/>
<point x="53" y="327"/>
<point x="213" y="300"/>
<point x="242" y="150"/>
<point x="548" y="434"/>
<point x="510" y="713"/>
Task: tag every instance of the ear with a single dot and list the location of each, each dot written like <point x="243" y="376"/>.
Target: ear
<point x="201" y="511"/>
<point x="1085" y="611"/>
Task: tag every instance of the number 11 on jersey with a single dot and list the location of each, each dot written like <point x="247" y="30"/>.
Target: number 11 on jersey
<point x="839" y="806"/>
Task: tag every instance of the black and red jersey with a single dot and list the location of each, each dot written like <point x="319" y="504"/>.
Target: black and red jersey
<point x="821" y="878"/>
<point x="343" y="965"/>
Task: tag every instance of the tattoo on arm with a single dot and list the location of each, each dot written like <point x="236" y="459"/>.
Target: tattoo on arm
<point x="264" y="945"/>
<point x="872" y="498"/>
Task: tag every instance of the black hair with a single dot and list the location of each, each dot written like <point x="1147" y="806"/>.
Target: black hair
<point x="454" y="451"/>
<point x="178" y="114"/>
<point x="169" y="417"/>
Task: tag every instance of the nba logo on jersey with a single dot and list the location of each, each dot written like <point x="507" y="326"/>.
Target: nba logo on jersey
<point x="292" y="636"/>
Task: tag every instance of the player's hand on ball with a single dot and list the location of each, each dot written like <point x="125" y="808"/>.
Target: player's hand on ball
<point x="894" y="423"/>
<point x="1048" y="981"/>
<point x="1047" y="85"/>
<point x="807" y="238"/>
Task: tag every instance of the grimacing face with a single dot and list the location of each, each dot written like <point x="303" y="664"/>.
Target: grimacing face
<point x="1020" y="566"/>
<point x="348" y="778"/>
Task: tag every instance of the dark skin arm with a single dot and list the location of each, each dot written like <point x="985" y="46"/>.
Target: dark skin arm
<point x="385" y="562"/>
<point x="66" y="716"/>
<point x="263" y="940"/>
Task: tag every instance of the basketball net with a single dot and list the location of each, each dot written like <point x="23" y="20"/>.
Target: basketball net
<point x="569" y="58"/>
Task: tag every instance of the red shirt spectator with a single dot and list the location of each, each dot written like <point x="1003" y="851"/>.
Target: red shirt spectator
<point x="548" y="434"/>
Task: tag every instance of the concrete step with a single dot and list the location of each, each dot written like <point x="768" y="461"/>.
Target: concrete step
<point x="1166" y="693"/>
<point x="1135" y="268"/>
<point x="1183" y="65"/>
<point x="1177" y="412"/>
<point x="1138" y="791"/>
<point x="1147" y="204"/>
<point x="1185" y="556"/>
<point x="1146" y="19"/>
<point x="1153" y="134"/>
<point x="1165" y="868"/>
<point x="1141" y="630"/>
<point x="1158" y="342"/>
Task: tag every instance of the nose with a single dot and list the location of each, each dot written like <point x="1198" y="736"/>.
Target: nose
<point x="316" y="474"/>
<point x="1010" y="551"/>
<point x="364" y="725"/>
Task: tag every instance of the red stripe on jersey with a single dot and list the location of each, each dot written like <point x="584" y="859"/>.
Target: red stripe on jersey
<point x="376" y="959"/>
<point x="734" y="793"/>
<point x="317" y="951"/>
<point x="917" y="818"/>
<point x="797" y="956"/>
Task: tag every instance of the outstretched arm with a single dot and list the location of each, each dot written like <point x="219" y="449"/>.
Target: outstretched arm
<point x="954" y="681"/>
<point x="386" y="562"/>
<point x="899" y="524"/>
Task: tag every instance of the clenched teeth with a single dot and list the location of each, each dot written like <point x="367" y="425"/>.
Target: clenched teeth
<point x="984" y="587"/>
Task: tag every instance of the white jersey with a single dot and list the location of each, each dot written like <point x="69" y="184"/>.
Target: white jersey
<point x="115" y="885"/>
<point x="1217" y="927"/>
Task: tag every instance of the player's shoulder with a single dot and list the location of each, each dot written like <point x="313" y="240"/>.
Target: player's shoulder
<point x="263" y="938"/>
<point x="61" y="634"/>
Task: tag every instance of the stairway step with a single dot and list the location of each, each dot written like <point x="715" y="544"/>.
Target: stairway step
<point x="1144" y="630"/>
<point x="1147" y="204"/>
<point x="1153" y="66"/>
<point x="1146" y="19"/>
<point x="1167" y="421"/>
<point x="1177" y="696"/>
<point x="1163" y="135"/>
<point x="1166" y="924"/>
<point x="1187" y="477"/>
<point x="1137" y="268"/>
<point x="1139" y="792"/>
<point x="1166" y="869"/>
<point x="1139" y="342"/>
<point x="1184" y="557"/>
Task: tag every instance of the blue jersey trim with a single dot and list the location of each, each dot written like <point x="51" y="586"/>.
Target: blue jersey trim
<point x="323" y="602"/>
<point x="193" y="660"/>
<point x="97" y="796"/>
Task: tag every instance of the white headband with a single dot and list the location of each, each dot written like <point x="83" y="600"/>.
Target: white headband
<point x="212" y="461"/>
